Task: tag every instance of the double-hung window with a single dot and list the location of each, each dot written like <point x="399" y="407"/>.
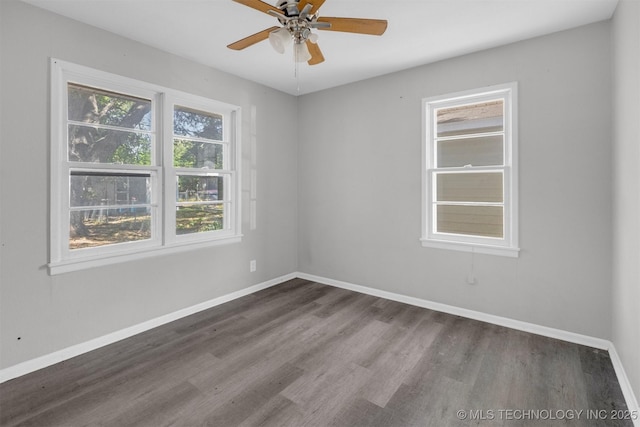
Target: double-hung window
<point x="469" y="173"/>
<point x="202" y="173"/>
<point x="137" y="169"/>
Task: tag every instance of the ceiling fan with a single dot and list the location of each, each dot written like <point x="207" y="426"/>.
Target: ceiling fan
<point x="297" y="19"/>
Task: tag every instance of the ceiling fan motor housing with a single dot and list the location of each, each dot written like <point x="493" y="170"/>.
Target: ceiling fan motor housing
<point x="299" y="30"/>
<point x="289" y="7"/>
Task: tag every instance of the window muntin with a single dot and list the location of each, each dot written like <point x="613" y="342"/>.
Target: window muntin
<point x="121" y="186"/>
<point x="469" y="178"/>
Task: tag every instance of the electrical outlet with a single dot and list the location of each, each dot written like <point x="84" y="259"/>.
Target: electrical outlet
<point x="252" y="266"/>
<point x="471" y="279"/>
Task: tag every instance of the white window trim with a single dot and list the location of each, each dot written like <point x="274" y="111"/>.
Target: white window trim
<point x="492" y="246"/>
<point x="231" y="130"/>
<point x="63" y="260"/>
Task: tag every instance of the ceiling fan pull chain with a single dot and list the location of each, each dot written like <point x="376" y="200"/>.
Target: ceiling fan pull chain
<point x="296" y="69"/>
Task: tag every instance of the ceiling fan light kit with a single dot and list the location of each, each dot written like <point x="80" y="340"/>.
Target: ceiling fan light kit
<point x="297" y="18"/>
<point x="279" y="39"/>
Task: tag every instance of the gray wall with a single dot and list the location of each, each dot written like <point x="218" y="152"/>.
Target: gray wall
<point x="353" y="211"/>
<point x="626" y="189"/>
<point x="360" y="193"/>
<point x="51" y="313"/>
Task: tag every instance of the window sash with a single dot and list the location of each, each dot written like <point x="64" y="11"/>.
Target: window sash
<point x="230" y="214"/>
<point x="67" y="168"/>
<point x="230" y="165"/>
<point x="64" y="226"/>
<point x="432" y="232"/>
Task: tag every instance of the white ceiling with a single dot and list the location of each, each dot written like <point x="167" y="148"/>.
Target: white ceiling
<point x="419" y="32"/>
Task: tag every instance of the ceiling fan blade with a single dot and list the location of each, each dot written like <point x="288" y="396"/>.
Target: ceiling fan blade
<point x="258" y="5"/>
<point x="304" y="12"/>
<point x="252" y="39"/>
<point x="316" y="5"/>
<point x="375" y="27"/>
<point x="316" y="53"/>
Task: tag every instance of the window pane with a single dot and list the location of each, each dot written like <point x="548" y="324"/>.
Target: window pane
<point x="472" y="118"/>
<point x="199" y="218"/>
<point x="95" y="145"/>
<point x="481" y="151"/>
<point x="469" y="187"/>
<point x="92" y="189"/>
<point x="100" y="227"/>
<point x="189" y="122"/>
<point x="200" y="188"/>
<point x="472" y="220"/>
<point x="201" y="155"/>
<point x="96" y="106"/>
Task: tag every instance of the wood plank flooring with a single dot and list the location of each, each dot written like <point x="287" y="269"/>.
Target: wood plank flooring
<point x="306" y="354"/>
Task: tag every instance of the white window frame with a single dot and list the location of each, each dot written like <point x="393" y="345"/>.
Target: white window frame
<point x="508" y="245"/>
<point x="229" y="170"/>
<point x="163" y="183"/>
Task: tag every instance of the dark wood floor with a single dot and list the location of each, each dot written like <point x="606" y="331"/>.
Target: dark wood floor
<point x="306" y="354"/>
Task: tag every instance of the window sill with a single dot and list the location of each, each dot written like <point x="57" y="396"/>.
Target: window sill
<point x="77" y="264"/>
<point x="471" y="247"/>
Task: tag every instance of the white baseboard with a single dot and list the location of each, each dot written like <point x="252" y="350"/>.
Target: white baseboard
<point x="470" y="314"/>
<point x="625" y="385"/>
<point x="78" y="349"/>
